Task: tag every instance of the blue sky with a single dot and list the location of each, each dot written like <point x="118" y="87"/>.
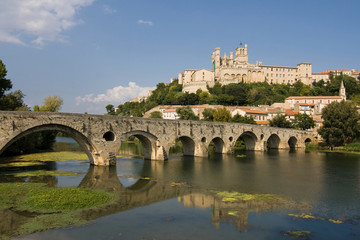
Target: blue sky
<point x="95" y="52"/>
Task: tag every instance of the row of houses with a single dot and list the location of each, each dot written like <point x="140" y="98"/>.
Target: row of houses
<point x="310" y="105"/>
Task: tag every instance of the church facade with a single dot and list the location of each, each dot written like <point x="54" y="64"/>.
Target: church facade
<point x="236" y="68"/>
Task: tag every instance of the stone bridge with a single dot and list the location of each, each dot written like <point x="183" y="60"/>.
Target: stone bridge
<point x="101" y="136"/>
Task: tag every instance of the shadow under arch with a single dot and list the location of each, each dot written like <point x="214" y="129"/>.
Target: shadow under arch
<point x="292" y="142"/>
<point x="249" y="139"/>
<point x="188" y="145"/>
<point x="218" y="144"/>
<point x="147" y="140"/>
<point x="82" y="140"/>
<point x="273" y="141"/>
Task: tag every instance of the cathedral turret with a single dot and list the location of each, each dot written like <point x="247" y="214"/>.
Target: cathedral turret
<point x="242" y="54"/>
<point x="342" y="91"/>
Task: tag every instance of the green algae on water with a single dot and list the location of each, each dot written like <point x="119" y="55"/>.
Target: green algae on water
<point x="48" y="157"/>
<point x="45" y="173"/>
<point x="236" y="197"/>
<point x="297" y="234"/>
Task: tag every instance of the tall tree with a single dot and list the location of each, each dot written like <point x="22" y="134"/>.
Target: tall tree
<point x="5" y="84"/>
<point x="51" y="104"/>
<point x="340" y="123"/>
<point x="222" y="115"/>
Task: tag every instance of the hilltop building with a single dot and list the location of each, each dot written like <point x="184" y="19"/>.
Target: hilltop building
<point x="336" y="72"/>
<point x="237" y="68"/>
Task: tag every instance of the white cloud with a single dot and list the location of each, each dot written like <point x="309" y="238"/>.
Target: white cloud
<point x="109" y="10"/>
<point x="38" y="21"/>
<point x="114" y="96"/>
<point x="149" y="23"/>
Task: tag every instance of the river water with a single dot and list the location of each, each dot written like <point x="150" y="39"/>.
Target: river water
<point x="181" y="198"/>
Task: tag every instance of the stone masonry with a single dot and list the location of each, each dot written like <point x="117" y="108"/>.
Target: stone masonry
<point x="101" y="136"/>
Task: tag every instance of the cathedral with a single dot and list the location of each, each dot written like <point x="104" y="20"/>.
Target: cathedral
<point x="236" y="68"/>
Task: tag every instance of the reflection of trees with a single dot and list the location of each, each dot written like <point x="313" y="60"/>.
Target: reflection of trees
<point x="50" y="181"/>
<point x="235" y="212"/>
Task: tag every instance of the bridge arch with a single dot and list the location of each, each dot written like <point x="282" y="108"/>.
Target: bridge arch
<point x="273" y="141"/>
<point x="147" y="140"/>
<point x="218" y="144"/>
<point x="188" y="145"/>
<point x="82" y="140"/>
<point x="292" y="142"/>
<point x="249" y="139"/>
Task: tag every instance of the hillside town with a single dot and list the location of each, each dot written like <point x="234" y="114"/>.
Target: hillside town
<point x="310" y="105"/>
<point x="236" y="68"/>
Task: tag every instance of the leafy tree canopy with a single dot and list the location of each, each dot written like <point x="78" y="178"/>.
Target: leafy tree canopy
<point x="51" y="104"/>
<point x="156" y="114"/>
<point x="222" y="115"/>
<point x="303" y="121"/>
<point x="186" y="113"/>
<point x="280" y="121"/>
<point x="340" y="123"/>
<point x="243" y="119"/>
<point x="5" y="84"/>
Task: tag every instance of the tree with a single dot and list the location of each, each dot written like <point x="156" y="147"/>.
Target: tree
<point x="13" y="102"/>
<point x="243" y="119"/>
<point x="280" y="121"/>
<point x="110" y="109"/>
<point x="156" y="114"/>
<point x="222" y="115"/>
<point x="186" y="113"/>
<point x="51" y="104"/>
<point x="340" y="123"/>
<point x="208" y="114"/>
<point x="303" y="121"/>
<point x="5" y="84"/>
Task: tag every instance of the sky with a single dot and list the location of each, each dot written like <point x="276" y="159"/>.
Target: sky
<point x="92" y="53"/>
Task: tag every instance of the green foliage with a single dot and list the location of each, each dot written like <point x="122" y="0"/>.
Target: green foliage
<point x="51" y="104"/>
<point x="5" y="84"/>
<point x="280" y="121"/>
<point x="55" y="199"/>
<point x="156" y="114"/>
<point x="303" y="121"/>
<point x="340" y="123"/>
<point x="110" y="109"/>
<point x="222" y="115"/>
<point x="13" y="102"/>
<point x="208" y="114"/>
<point x="35" y="142"/>
<point x="243" y="119"/>
<point x="186" y="113"/>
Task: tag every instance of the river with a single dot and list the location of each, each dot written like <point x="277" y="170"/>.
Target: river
<point x="315" y="195"/>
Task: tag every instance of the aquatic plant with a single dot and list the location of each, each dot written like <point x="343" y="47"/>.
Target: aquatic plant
<point x="297" y="234"/>
<point x="236" y="196"/>
<point x="45" y="173"/>
<point x="55" y="199"/>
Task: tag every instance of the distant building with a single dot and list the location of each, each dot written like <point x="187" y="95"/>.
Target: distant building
<point x="336" y="72"/>
<point x="237" y="68"/>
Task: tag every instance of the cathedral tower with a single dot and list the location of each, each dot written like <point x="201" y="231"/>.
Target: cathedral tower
<point x="342" y="91"/>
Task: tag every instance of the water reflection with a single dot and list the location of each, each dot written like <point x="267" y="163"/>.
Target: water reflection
<point x="324" y="184"/>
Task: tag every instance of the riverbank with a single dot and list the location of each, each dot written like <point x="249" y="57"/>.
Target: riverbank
<point x="353" y="148"/>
